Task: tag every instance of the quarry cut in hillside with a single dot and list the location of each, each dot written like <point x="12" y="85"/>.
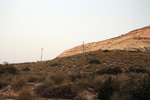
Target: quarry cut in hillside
<point x="137" y="40"/>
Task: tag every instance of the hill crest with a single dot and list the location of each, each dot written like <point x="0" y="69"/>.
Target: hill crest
<point x="136" y="40"/>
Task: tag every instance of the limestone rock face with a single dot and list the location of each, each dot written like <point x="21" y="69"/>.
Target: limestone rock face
<point x="137" y="40"/>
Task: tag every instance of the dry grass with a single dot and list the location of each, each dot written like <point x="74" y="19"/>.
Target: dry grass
<point x="25" y="94"/>
<point x="79" y="72"/>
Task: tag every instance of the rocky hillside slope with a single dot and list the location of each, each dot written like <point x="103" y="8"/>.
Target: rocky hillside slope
<point x="137" y="40"/>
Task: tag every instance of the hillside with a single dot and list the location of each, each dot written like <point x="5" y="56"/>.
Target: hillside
<point x="114" y="69"/>
<point x="137" y="40"/>
<point x="79" y="77"/>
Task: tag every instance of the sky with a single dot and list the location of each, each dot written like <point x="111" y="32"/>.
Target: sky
<point x="26" y="26"/>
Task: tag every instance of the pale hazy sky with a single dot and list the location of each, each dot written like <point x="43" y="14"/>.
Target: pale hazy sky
<point x="26" y="26"/>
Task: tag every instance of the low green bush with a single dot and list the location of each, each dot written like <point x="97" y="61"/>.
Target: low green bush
<point x="18" y="84"/>
<point x="81" y="96"/>
<point x="142" y="89"/>
<point x="54" y="64"/>
<point x="137" y="70"/>
<point x="81" y="84"/>
<point x="8" y="69"/>
<point x="11" y="70"/>
<point x="2" y="84"/>
<point x="33" y="78"/>
<point x="107" y="89"/>
<point x="94" y="61"/>
<point x="57" y="78"/>
<point x="105" y="50"/>
<point x="64" y="91"/>
<point x="25" y="94"/>
<point x="77" y="76"/>
<point x="2" y="70"/>
<point x="113" y="71"/>
<point x="26" y="69"/>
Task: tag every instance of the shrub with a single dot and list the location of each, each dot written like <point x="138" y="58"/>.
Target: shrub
<point x="18" y="84"/>
<point x="40" y="89"/>
<point x="63" y="91"/>
<point x="107" y="89"/>
<point x="97" y="82"/>
<point x="135" y="89"/>
<point x="2" y="70"/>
<point x="116" y="96"/>
<point x="2" y="84"/>
<point x="8" y="69"/>
<point x="81" y="84"/>
<point x="76" y="76"/>
<point x="26" y="69"/>
<point x="11" y="70"/>
<point x="33" y="78"/>
<point x="80" y="96"/>
<point x="142" y="90"/>
<point x="25" y="94"/>
<point x="105" y="50"/>
<point x="58" y="79"/>
<point x="126" y="88"/>
<point x="137" y="70"/>
<point x="54" y="64"/>
<point x="94" y="61"/>
<point x="5" y="80"/>
<point x="113" y="71"/>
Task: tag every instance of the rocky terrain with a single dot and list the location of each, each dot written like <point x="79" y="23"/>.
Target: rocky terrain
<point x="137" y="40"/>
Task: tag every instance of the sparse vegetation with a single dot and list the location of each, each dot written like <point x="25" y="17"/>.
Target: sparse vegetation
<point x="113" y="71"/>
<point x="8" y="69"/>
<point x="25" y="94"/>
<point x="107" y="89"/>
<point x="63" y="91"/>
<point x="94" y="61"/>
<point x="26" y="69"/>
<point x="17" y="84"/>
<point x="80" y="96"/>
<point x="114" y="75"/>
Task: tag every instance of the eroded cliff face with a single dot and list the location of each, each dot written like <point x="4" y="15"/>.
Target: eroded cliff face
<point x="137" y="40"/>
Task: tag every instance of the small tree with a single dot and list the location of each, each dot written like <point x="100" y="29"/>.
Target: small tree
<point x="107" y="89"/>
<point x="10" y="70"/>
<point x="142" y="90"/>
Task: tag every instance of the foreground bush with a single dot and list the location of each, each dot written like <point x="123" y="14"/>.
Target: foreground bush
<point x="58" y="79"/>
<point x="137" y="70"/>
<point x="25" y="94"/>
<point x="94" y="61"/>
<point x="8" y="69"/>
<point x="142" y="90"/>
<point x="64" y="91"/>
<point x="26" y="69"/>
<point x="113" y="71"/>
<point x="2" y="84"/>
<point x="17" y="84"/>
<point x="33" y="78"/>
<point x="2" y="70"/>
<point x="80" y="96"/>
<point x="77" y="76"/>
<point x="5" y="80"/>
<point x="81" y="84"/>
<point x="107" y="89"/>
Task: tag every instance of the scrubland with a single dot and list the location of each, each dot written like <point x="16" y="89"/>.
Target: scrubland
<point x="97" y="75"/>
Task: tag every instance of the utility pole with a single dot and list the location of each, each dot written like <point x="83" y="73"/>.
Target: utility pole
<point x="83" y="46"/>
<point x="41" y="53"/>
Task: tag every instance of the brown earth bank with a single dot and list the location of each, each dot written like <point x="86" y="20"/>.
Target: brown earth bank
<point x="137" y="40"/>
